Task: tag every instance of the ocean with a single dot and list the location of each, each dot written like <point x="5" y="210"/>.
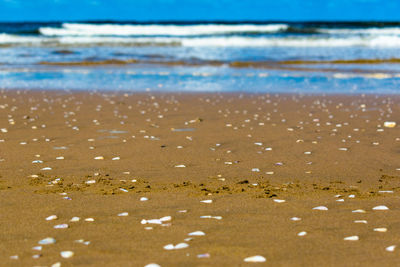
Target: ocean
<point x="301" y="57"/>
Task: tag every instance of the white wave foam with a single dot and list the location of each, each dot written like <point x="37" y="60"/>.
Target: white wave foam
<point x="233" y="41"/>
<point x="77" y="29"/>
<point x="366" y="31"/>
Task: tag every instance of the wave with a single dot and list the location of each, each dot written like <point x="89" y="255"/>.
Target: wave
<point x="77" y="29"/>
<point x="219" y="41"/>
<point x="363" y="31"/>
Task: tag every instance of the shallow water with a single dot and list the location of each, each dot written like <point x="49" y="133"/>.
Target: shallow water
<point x="248" y="57"/>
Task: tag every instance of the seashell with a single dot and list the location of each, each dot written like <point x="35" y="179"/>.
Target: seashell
<point x="382" y="230"/>
<point x="166" y="218"/>
<point x="208" y="201"/>
<point x="181" y="246"/>
<point x="38" y="248"/>
<point x="351" y="238"/>
<point x="89" y="220"/>
<point x="390" y="248"/>
<point x="144" y="199"/>
<point x="90" y="182"/>
<point x="197" y="233"/>
<point x="255" y="170"/>
<point x="75" y="219"/>
<point x="14" y="257"/>
<point x="389" y="124"/>
<point x="57" y="264"/>
<point x="66" y="254"/>
<point x="295" y="219"/>
<point x="99" y="158"/>
<point x="205" y="255"/>
<point x="358" y="211"/>
<point x="123" y="190"/>
<point x="180" y="166"/>
<point x="360" y="221"/>
<point x="116" y="158"/>
<point x="303" y="233"/>
<point x="61" y="226"/>
<point x="47" y="241"/>
<point x="52" y="217"/>
<point x="60" y="157"/>
<point x="169" y="247"/>
<point x="46" y="169"/>
<point x="320" y="208"/>
<point x="123" y="214"/>
<point x="279" y="200"/>
<point x="381" y="207"/>
<point x="255" y="259"/>
<point x="152" y="265"/>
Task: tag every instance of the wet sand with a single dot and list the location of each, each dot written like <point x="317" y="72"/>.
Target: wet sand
<point x="262" y="160"/>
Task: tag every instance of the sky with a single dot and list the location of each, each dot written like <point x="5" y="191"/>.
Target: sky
<point x="145" y="10"/>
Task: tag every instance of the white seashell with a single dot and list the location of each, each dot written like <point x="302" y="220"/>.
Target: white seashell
<point x="123" y="214"/>
<point x="36" y="256"/>
<point x="47" y="241"/>
<point x="181" y="246"/>
<point x="169" y="247"/>
<point x="99" y="158"/>
<point x="166" y="218"/>
<point x="295" y="219"/>
<point x="75" y="219"/>
<point x="382" y="230"/>
<point x="255" y="170"/>
<point x="154" y="221"/>
<point x="360" y="221"/>
<point x="67" y="254"/>
<point x="351" y="196"/>
<point x="382" y="207"/>
<point x="255" y="259"/>
<point x="320" y="208"/>
<point x="115" y="158"/>
<point x="144" y="199"/>
<point x="152" y="265"/>
<point x="180" y="166"/>
<point x="307" y="153"/>
<point x="279" y="200"/>
<point x="59" y="157"/>
<point x="385" y="191"/>
<point x="89" y="220"/>
<point x="91" y="182"/>
<point x="351" y="238"/>
<point x="389" y="124"/>
<point x="303" y="233"/>
<point x="37" y="161"/>
<point x="208" y="201"/>
<point x="358" y="211"/>
<point x="61" y="226"/>
<point x="340" y="200"/>
<point x="57" y="264"/>
<point x="46" y="169"/>
<point x="205" y="255"/>
<point x="197" y="233"/>
<point x="4" y="130"/>
<point x="38" y="248"/>
<point x="390" y="248"/>
<point x="14" y="257"/>
<point x="52" y="217"/>
<point x="123" y="190"/>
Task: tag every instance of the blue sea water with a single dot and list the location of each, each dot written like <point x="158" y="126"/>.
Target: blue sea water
<point x="202" y="56"/>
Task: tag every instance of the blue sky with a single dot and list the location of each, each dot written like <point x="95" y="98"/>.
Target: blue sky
<point x="28" y="10"/>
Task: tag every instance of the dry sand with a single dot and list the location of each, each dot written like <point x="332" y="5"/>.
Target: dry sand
<point x="243" y="152"/>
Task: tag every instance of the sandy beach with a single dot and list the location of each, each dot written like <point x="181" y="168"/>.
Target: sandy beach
<point x="198" y="179"/>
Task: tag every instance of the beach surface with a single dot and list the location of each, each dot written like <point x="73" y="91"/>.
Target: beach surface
<point x="301" y="180"/>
